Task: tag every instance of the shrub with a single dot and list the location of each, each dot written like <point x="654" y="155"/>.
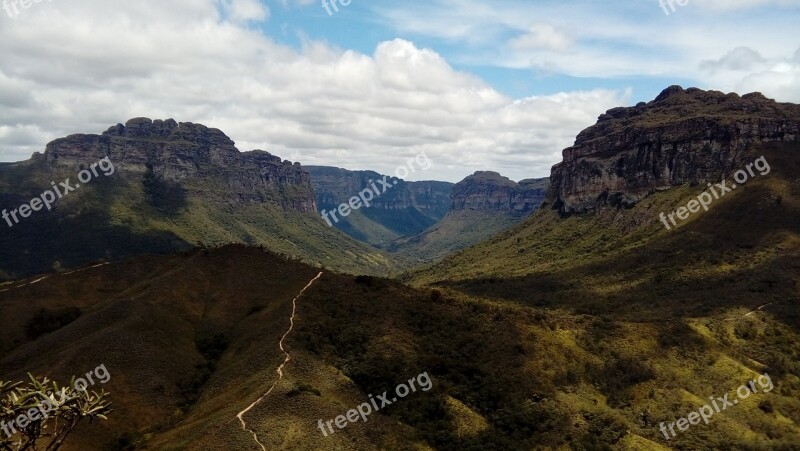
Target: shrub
<point x="303" y="388"/>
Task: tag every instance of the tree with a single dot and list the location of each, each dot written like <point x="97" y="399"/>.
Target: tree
<point x="49" y="412"/>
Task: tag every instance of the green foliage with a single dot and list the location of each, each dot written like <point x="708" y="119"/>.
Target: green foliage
<point x="65" y="409"/>
<point x="299" y="389"/>
<point x="618" y="374"/>
<point x="463" y="348"/>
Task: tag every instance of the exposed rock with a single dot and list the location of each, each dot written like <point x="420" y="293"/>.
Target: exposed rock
<point x="490" y="191"/>
<point x="335" y="186"/>
<point x="193" y="156"/>
<point x="683" y="136"/>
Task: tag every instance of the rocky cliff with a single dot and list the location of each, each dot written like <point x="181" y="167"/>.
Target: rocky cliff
<point x="683" y="136"/>
<point x="335" y="186"/>
<point x="490" y="191"/>
<point x="174" y="186"/>
<point x="202" y="161"/>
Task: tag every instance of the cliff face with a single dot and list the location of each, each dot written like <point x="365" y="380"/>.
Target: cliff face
<point x="491" y="192"/>
<point x="202" y="161"/>
<point x="683" y="136"/>
<point x="335" y="186"/>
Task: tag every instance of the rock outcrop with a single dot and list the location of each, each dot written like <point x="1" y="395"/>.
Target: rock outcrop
<point x="335" y="186"/>
<point x="202" y="161"/>
<point x="683" y="136"/>
<point x="490" y="191"/>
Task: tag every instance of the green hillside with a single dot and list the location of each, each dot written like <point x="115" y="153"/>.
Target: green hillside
<point x="123" y="215"/>
<point x="504" y="375"/>
<point x="458" y="230"/>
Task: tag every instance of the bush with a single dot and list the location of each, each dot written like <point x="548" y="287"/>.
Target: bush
<point x="303" y="388"/>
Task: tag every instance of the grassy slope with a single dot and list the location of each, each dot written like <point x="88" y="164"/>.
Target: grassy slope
<point x="740" y="253"/>
<point x="505" y="375"/>
<point x="112" y="218"/>
<point x="377" y="227"/>
<point x="677" y="302"/>
<point x="458" y="230"/>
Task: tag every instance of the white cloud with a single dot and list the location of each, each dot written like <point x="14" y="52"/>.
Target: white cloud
<point x="80" y="68"/>
<point x="738" y="59"/>
<point x="245" y="10"/>
<point x="616" y="38"/>
<point x="542" y="36"/>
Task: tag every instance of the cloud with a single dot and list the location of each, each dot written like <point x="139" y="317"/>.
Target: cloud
<point x="542" y="36"/>
<point x="612" y="40"/>
<point x="80" y="68"/>
<point x="245" y="10"/>
<point x="735" y="5"/>
<point x="738" y="59"/>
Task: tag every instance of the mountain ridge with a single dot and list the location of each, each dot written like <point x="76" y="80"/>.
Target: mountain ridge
<point x="682" y="136"/>
<point x="175" y="186"/>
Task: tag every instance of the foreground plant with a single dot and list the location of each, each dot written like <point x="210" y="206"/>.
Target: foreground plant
<point x="41" y="415"/>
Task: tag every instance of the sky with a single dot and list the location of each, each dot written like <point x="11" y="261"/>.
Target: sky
<point x="501" y="85"/>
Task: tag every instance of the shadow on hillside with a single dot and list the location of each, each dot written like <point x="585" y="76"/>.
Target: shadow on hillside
<point x="45" y="243"/>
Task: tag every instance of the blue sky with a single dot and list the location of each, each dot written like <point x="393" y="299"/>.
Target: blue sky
<point x="363" y="24"/>
<point x="504" y="85"/>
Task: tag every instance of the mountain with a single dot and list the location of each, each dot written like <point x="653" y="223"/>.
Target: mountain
<point x="581" y="227"/>
<point x="482" y="205"/>
<point x="700" y="306"/>
<point x="408" y="208"/>
<point x="683" y="136"/>
<point x="163" y="186"/>
<point x="191" y="340"/>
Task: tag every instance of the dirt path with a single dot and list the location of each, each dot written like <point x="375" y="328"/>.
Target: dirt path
<point x="280" y="367"/>
<point x="51" y="275"/>
<point x="758" y="309"/>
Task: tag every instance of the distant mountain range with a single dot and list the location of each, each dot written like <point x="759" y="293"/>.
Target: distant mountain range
<point x="427" y="220"/>
<point x="482" y="205"/>
<point x="408" y="208"/>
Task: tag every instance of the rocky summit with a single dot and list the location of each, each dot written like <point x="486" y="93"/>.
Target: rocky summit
<point x="683" y="136"/>
<point x="184" y="153"/>
<point x="490" y="191"/>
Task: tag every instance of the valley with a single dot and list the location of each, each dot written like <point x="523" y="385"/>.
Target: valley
<point x="554" y="313"/>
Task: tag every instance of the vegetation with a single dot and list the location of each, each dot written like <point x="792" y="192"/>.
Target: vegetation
<point x="44" y="396"/>
<point x="458" y="230"/>
<point x="190" y="389"/>
<point x="122" y="216"/>
<point x="46" y="321"/>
